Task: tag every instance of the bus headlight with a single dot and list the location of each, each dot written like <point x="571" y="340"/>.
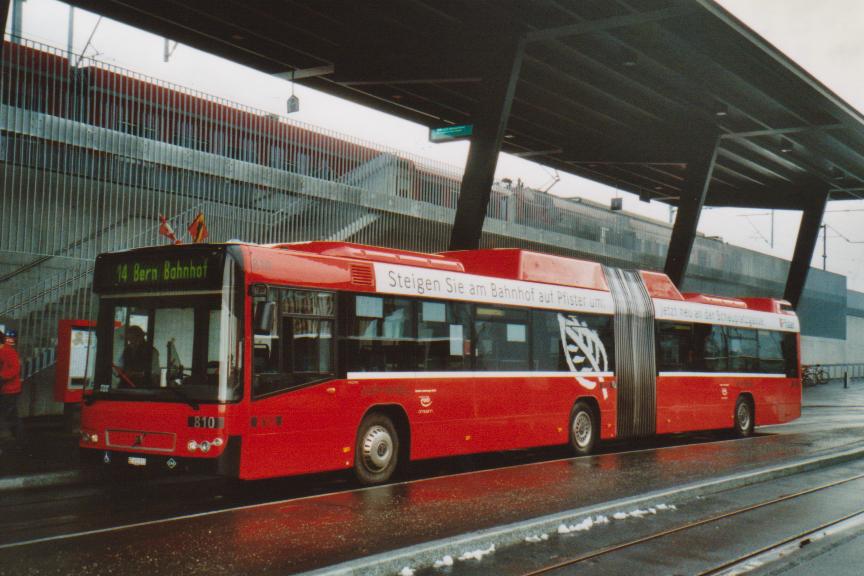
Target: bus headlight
<point x="217" y="442"/>
<point x="192" y="446"/>
<point x="91" y="437"/>
<point x="204" y="446"/>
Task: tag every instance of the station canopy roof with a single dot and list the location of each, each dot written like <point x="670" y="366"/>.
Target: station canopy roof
<point x="618" y="91"/>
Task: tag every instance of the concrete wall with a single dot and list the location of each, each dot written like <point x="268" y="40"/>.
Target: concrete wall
<point x="855" y="328"/>
<point x="819" y="350"/>
<point x="854" y="340"/>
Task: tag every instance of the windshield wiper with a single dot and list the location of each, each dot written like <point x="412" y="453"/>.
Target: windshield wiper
<point x="184" y="397"/>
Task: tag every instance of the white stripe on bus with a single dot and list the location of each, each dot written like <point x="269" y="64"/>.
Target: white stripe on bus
<point x="726" y="374"/>
<point x="528" y="374"/>
<point x="476" y="374"/>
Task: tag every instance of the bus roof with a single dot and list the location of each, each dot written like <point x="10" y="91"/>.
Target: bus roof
<point x="508" y="263"/>
<point x="374" y="254"/>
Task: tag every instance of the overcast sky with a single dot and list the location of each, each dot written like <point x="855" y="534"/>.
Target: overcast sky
<point x="826" y="37"/>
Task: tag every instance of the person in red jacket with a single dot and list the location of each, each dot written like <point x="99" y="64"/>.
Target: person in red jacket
<point x="10" y="386"/>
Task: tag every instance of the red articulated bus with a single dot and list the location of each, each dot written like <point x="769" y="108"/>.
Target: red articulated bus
<point x="261" y="361"/>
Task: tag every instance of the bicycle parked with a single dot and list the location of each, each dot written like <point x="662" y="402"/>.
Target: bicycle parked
<point x="814" y="375"/>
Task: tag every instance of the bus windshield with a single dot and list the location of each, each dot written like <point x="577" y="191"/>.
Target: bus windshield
<point x="167" y="348"/>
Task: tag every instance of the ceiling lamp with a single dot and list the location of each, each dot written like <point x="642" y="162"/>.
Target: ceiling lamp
<point x="293" y="104"/>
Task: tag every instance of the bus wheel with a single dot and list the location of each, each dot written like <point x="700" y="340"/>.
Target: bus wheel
<point x="376" y="453"/>
<point x="743" y="417"/>
<point x="583" y="428"/>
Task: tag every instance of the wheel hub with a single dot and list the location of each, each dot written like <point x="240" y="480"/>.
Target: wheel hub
<point x="582" y="431"/>
<point x="377" y="448"/>
<point x="743" y="416"/>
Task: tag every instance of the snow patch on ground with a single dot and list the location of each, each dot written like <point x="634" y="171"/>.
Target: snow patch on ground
<point x="583" y="525"/>
<point x="640" y="513"/>
<point x="589" y="522"/>
<point x="446" y="561"/>
<point x="534" y="538"/>
<point x="477" y="554"/>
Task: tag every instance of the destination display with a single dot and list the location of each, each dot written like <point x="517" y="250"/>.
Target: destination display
<point x="160" y="271"/>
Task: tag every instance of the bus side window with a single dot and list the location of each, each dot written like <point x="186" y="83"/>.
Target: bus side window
<point x="379" y="334"/>
<point x="549" y="351"/>
<point x="790" y="354"/>
<point x="675" y="351"/>
<point x="443" y="336"/>
<point x="771" y="359"/>
<point x="568" y="341"/>
<point x="711" y="350"/>
<point x="267" y="373"/>
<point x="743" y="349"/>
<point x="312" y="346"/>
<point x="501" y="339"/>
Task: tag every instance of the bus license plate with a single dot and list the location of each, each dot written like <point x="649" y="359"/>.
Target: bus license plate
<point x="137" y="461"/>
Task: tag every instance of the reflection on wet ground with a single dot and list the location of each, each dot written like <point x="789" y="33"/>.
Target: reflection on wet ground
<point x="304" y="530"/>
<point x="299" y="534"/>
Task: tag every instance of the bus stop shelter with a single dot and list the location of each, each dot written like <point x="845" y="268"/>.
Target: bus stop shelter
<point x="674" y="100"/>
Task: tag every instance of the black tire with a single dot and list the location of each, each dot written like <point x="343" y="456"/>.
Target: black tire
<point x="584" y="428"/>
<point x="376" y="451"/>
<point x="744" y="417"/>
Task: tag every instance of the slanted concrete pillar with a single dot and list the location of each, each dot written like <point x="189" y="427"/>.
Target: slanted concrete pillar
<point x="808" y="235"/>
<point x="697" y="179"/>
<point x="490" y="122"/>
<point x="4" y="15"/>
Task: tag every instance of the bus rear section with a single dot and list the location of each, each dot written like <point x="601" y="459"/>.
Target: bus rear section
<point x="726" y="363"/>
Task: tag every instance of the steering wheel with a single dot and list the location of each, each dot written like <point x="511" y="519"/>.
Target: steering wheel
<point x="123" y="375"/>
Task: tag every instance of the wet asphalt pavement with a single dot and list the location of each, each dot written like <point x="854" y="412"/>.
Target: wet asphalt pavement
<point x="302" y="533"/>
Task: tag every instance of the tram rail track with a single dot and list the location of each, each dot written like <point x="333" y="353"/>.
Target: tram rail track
<point x="716" y="570"/>
<point x="739" y="565"/>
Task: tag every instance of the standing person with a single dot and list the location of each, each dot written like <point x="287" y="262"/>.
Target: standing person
<point x="10" y="387"/>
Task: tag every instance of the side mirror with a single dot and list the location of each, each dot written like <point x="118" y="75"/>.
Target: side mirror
<point x="264" y="312"/>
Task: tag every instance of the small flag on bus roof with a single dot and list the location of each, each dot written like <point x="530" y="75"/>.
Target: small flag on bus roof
<point x="198" y="229"/>
<point x="166" y="230"/>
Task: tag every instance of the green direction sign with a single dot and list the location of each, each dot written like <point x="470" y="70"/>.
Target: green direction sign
<point x="451" y="133"/>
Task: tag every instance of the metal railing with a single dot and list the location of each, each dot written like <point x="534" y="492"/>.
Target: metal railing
<point x="91" y="154"/>
<point x="839" y="371"/>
